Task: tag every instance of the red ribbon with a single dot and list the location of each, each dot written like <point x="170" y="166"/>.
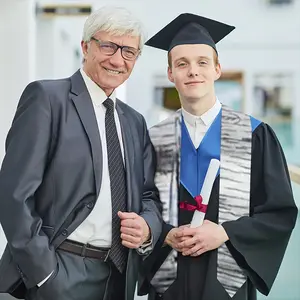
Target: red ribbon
<point x="190" y="207"/>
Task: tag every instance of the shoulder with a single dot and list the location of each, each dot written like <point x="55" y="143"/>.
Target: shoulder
<point x="264" y="138"/>
<point x="131" y="112"/>
<point x="232" y="114"/>
<point x="53" y="93"/>
<point x="260" y="129"/>
<point x="49" y="89"/>
<point x="170" y="121"/>
<point x="54" y="86"/>
<point x="255" y="123"/>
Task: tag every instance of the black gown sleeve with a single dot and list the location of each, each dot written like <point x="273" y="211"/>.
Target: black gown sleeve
<point x="258" y="242"/>
<point x="153" y="262"/>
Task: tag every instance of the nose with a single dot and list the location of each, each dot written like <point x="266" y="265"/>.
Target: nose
<point x="193" y="70"/>
<point x="117" y="60"/>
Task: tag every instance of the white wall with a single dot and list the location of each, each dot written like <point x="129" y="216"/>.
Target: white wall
<point x="265" y="39"/>
<point x="17" y="62"/>
<point x="58" y="38"/>
<point x="17" y="57"/>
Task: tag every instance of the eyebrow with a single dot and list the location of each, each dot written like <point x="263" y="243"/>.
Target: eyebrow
<point x="129" y="47"/>
<point x="185" y="59"/>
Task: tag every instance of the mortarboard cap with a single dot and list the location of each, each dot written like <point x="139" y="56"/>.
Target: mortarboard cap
<point x="190" y="29"/>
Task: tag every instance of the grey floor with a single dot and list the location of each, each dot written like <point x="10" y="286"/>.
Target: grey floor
<point x="4" y="297"/>
<point x="7" y="297"/>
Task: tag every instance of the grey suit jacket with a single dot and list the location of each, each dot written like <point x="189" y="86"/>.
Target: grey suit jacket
<point x="51" y="177"/>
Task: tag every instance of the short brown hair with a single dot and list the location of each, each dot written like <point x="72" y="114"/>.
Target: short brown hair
<point x="216" y="59"/>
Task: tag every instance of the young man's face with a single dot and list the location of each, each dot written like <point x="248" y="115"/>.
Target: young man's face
<point x="193" y="70"/>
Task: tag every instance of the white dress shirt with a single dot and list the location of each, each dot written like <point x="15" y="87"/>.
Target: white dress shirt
<point x="96" y="229"/>
<point x="197" y="126"/>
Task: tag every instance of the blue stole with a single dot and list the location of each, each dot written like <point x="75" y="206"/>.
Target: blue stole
<point x="195" y="162"/>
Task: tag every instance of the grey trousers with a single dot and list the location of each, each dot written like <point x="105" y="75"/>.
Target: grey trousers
<point x="81" y="278"/>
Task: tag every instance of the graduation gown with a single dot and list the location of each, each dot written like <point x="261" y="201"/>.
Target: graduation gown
<point x="257" y="243"/>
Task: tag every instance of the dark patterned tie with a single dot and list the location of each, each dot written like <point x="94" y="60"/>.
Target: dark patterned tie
<point x="118" y="253"/>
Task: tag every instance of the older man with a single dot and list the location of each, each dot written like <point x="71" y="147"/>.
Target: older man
<point x="76" y="184"/>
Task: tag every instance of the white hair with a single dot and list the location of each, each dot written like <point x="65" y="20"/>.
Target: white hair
<point x="117" y="21"/>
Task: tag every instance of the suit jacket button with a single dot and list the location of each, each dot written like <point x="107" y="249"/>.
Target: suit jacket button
<point x="90" y="205"/>
<point x="64" y="232"/>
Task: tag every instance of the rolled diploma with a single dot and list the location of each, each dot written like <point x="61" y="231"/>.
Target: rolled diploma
<point x="210" y="177"/>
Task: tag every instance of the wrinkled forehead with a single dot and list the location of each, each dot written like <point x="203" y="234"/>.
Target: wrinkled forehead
<point x="122" y="40"/>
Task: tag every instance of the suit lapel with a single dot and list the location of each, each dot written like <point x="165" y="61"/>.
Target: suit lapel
<point x="84" y="106"/>
<point x="128" y="151"/>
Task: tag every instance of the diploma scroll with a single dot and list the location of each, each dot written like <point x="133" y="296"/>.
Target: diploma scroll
<point x="210" y="177"/>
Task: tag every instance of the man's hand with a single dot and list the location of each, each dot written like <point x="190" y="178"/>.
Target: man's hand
<point x="206" y="237"/>
<point x="134" y="230"/>
<point x="174" y="238"/>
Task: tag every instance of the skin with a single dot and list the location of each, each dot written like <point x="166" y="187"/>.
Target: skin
<point x="98" y="66"/>
<point x="194" y="69"/>
<point x="134" y="230"/>
<point x="194" y="72"/>
<point x="109" y="72"/>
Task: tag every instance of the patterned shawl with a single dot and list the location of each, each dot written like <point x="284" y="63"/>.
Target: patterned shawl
<point x="234" y="198"/>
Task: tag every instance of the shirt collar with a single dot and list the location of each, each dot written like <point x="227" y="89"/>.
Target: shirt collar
<point x="207" y="118"/>
<point x="98" y="96"/>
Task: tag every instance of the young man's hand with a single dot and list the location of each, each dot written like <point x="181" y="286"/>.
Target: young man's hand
<point x="206" y="237"/>
<point x="174" y="238"/>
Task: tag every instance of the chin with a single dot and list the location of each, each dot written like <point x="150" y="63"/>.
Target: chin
<point x="193" y="92"/>
<point x="113" y="83"/>
<point x="195" y="96"/>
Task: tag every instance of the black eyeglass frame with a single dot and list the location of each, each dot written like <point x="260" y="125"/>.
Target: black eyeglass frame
<point x="135" y="52"/>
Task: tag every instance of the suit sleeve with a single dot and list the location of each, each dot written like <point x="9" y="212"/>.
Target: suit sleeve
<point x="22" y="171"/>
<point x="151" y="205"/>
<point x="258" y="242"/>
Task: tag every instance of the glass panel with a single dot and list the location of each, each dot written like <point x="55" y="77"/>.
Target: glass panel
<point x="288" y="133"/>
<point x="286" y="286"/>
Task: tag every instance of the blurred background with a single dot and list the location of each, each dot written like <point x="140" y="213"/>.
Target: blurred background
<point x="260" y="62"/>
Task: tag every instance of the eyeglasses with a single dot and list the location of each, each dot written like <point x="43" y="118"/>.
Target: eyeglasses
<point x="110" y="48"/>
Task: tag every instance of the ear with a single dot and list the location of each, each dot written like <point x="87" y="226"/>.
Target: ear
<point x="218" y="72"/>
<point x="170" y="74"/>
<point x="84" y="48"/>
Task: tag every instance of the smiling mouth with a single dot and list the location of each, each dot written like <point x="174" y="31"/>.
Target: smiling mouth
<point x="115" y="72"/>
<point x="194" y="82"/>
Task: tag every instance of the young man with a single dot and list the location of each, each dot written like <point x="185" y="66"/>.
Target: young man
<point x="78" y="199"/>
<point x="251" y="211"/>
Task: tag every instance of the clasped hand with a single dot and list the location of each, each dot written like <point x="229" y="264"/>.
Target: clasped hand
<point x="196" y="241"/>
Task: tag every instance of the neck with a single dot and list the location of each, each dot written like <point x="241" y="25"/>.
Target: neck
<point x="107" y="91"/>
<point x="200" y="106"/>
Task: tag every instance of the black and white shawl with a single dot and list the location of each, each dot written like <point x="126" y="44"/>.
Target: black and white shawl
<point x="234" y="198"/>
